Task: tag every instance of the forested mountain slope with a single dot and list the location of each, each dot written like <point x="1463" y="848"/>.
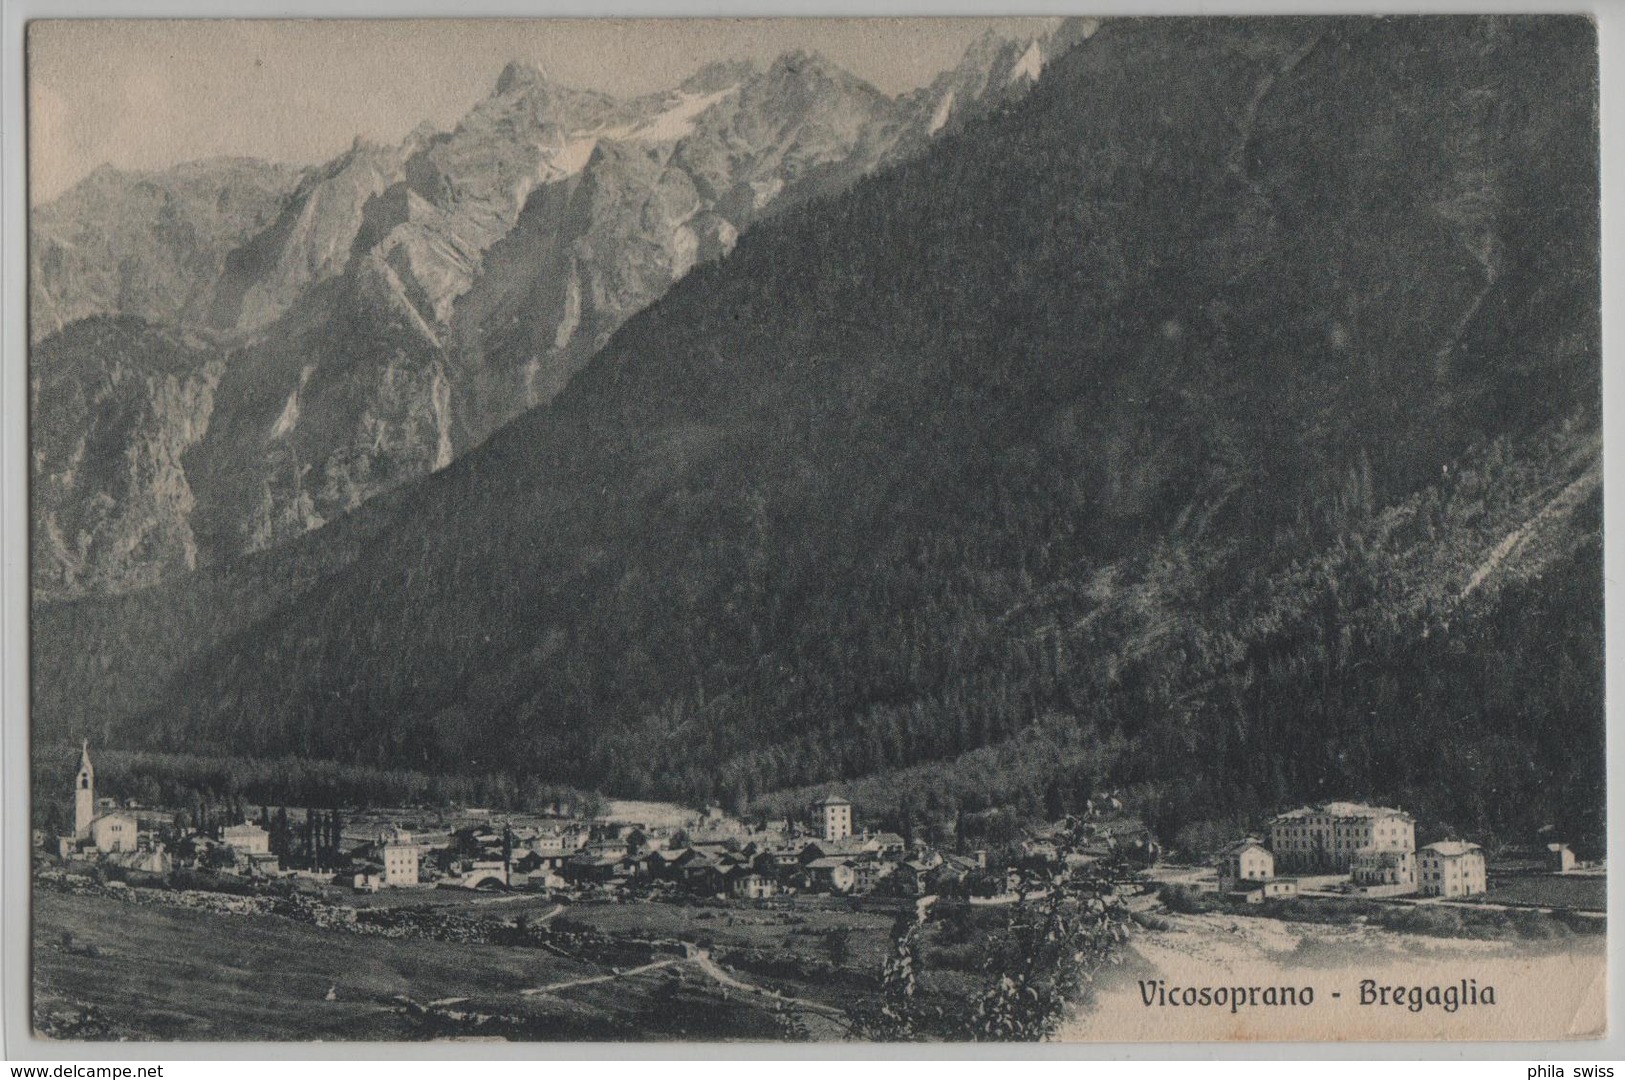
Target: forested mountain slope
<point x="1221" y="420"/>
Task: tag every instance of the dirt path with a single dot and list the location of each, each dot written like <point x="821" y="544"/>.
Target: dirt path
<point x="592" y="979"/>
<point x="510" y="898"/>
<point x="703" y="961"/>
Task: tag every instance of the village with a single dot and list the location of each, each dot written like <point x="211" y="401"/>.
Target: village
<point x="1335" y="849"/>
<point x="708" y="854"/>
<point x="600" y="919"/>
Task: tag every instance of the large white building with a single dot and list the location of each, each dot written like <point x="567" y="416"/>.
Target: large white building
<point x="1330" y="837"/>
<point x="114" y="833"/>
<point x="564" y="841"/>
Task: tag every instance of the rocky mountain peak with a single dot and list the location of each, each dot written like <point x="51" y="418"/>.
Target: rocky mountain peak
<point x="808" y="65"/>
<point x="984" y="50"/>
<point x="419" y="139"/>
<point x="719" y="75"/>
<point x="477" y="268"/>
<point x="520" y="75"/>
<point x="102" y="174"/>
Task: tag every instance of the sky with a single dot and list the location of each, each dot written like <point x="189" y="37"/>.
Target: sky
<point x="149" y="94"/>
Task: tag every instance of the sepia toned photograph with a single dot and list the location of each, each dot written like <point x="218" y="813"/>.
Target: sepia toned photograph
<point x="912" y="530"/>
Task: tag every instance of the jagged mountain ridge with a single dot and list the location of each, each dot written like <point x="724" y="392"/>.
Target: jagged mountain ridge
<point x="405" y="301"/>
<point x="1108" y="412"/>
<point x="146" y="244"/>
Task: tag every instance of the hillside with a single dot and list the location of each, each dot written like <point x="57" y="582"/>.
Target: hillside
<point x="1220" y="421"/>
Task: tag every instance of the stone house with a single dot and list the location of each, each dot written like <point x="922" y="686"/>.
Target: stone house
<point x="1245" y="860"/>
<point x="1452" y="868"/>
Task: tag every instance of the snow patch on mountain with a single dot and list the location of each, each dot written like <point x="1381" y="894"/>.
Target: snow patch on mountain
<point x="670" y="125"/>
<point x="290" y="411"/>
<point x="573" y="156"/>
<point x="765" y="191"/>
<point x="678" y="121"/>
<point x="571" y="317"/>
<point x="1030" y="66"/>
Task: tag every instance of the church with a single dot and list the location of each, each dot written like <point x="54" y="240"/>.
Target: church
<point x="107" y="833"/>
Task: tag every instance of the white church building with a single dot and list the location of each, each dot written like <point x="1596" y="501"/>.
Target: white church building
<point x="101" y="833"/>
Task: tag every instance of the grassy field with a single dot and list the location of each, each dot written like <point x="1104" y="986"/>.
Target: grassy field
<point x="169" y="973"/>
<point x="1452" y="920"/>
<point x="782" y="926"/>
<point x="742" y="970"/>
<point x="268" y="977"/>
<point x="1585" y="893"/>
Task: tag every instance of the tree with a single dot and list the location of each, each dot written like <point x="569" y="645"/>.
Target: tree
<point x="1054" y="801"/>
<point x="1066" y="925"/>
<point x="900" y="1016"/>
<point x="838" y="944"/>
<point x="281" y="841"/>
<point x="220" y="857"/>
<point x="51" y="816"/>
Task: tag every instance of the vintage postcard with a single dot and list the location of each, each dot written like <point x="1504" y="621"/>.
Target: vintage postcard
<point x="931" y="530"/>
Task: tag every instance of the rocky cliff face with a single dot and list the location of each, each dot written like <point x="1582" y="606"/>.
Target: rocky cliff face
<point x="346" y="401"/>
<point x="116" y="405"/>
<point x="376" y="316"/>
<point x="309" y="242"/>
<point x="652" y="199"/>
<point x="148" y="244"/>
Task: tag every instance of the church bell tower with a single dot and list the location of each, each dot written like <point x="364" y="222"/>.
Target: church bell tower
<point x="84" y="795"/>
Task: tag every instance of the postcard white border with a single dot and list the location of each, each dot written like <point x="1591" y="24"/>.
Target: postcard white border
<point x="14" y="771"/>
